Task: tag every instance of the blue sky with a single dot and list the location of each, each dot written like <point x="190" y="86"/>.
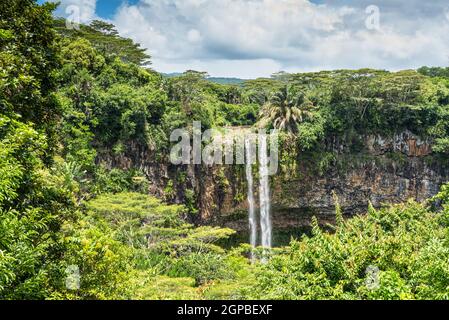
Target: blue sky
<point x="256" y="38"/>
<point x="107" y="8"/>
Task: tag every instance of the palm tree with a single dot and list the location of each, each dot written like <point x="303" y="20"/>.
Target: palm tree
<point x="285" y="110"/>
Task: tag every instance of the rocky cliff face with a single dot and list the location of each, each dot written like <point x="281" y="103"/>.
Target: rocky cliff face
<point x="385" y="170"/>
<point x="388" y="170"/>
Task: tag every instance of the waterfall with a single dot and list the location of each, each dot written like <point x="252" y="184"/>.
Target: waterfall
<point x="264" y="193"/>
<point x="251" y="209"/>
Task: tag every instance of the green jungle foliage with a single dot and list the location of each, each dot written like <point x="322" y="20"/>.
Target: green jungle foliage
<point x="69" y="99"/>
<point x="406" y="245"/>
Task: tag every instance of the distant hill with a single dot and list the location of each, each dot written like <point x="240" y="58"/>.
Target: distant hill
<point x="171" y="75"/>
<point x="220" y="80"/>
<point x="226" y="80"/>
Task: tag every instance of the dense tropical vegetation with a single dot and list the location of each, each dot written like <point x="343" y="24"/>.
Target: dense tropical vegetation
<point x="71" y="98"/>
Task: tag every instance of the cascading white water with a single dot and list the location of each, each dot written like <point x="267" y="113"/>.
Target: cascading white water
<point x="251" y="202"/>
<point x="264" y="193"/>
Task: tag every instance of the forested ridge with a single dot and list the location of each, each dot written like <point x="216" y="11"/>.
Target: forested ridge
<point x="69" y="96"/>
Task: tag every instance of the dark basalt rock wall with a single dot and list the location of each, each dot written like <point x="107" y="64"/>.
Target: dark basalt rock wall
<point x="386" y="170"/>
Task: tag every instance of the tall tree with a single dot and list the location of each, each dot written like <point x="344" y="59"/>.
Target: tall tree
<point x="286" y="109"/>
<point x="33" y="201"/>
<point x="28" y="60"/>
<point x="106" y="39"/>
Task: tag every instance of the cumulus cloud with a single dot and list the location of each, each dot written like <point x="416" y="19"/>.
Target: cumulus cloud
<point x="250" y="38"/>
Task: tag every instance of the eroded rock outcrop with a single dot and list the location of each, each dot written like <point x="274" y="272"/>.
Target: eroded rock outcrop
<point x="386" y="170"/>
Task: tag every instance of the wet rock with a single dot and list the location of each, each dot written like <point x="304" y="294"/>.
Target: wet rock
<point x="369" y="175"/>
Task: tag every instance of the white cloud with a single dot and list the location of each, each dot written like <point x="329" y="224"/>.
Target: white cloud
<point x="249" y="38"/>
<point x="194" y="36"/>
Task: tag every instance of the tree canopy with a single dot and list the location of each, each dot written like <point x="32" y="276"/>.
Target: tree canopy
<point x="75" y="225"/>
